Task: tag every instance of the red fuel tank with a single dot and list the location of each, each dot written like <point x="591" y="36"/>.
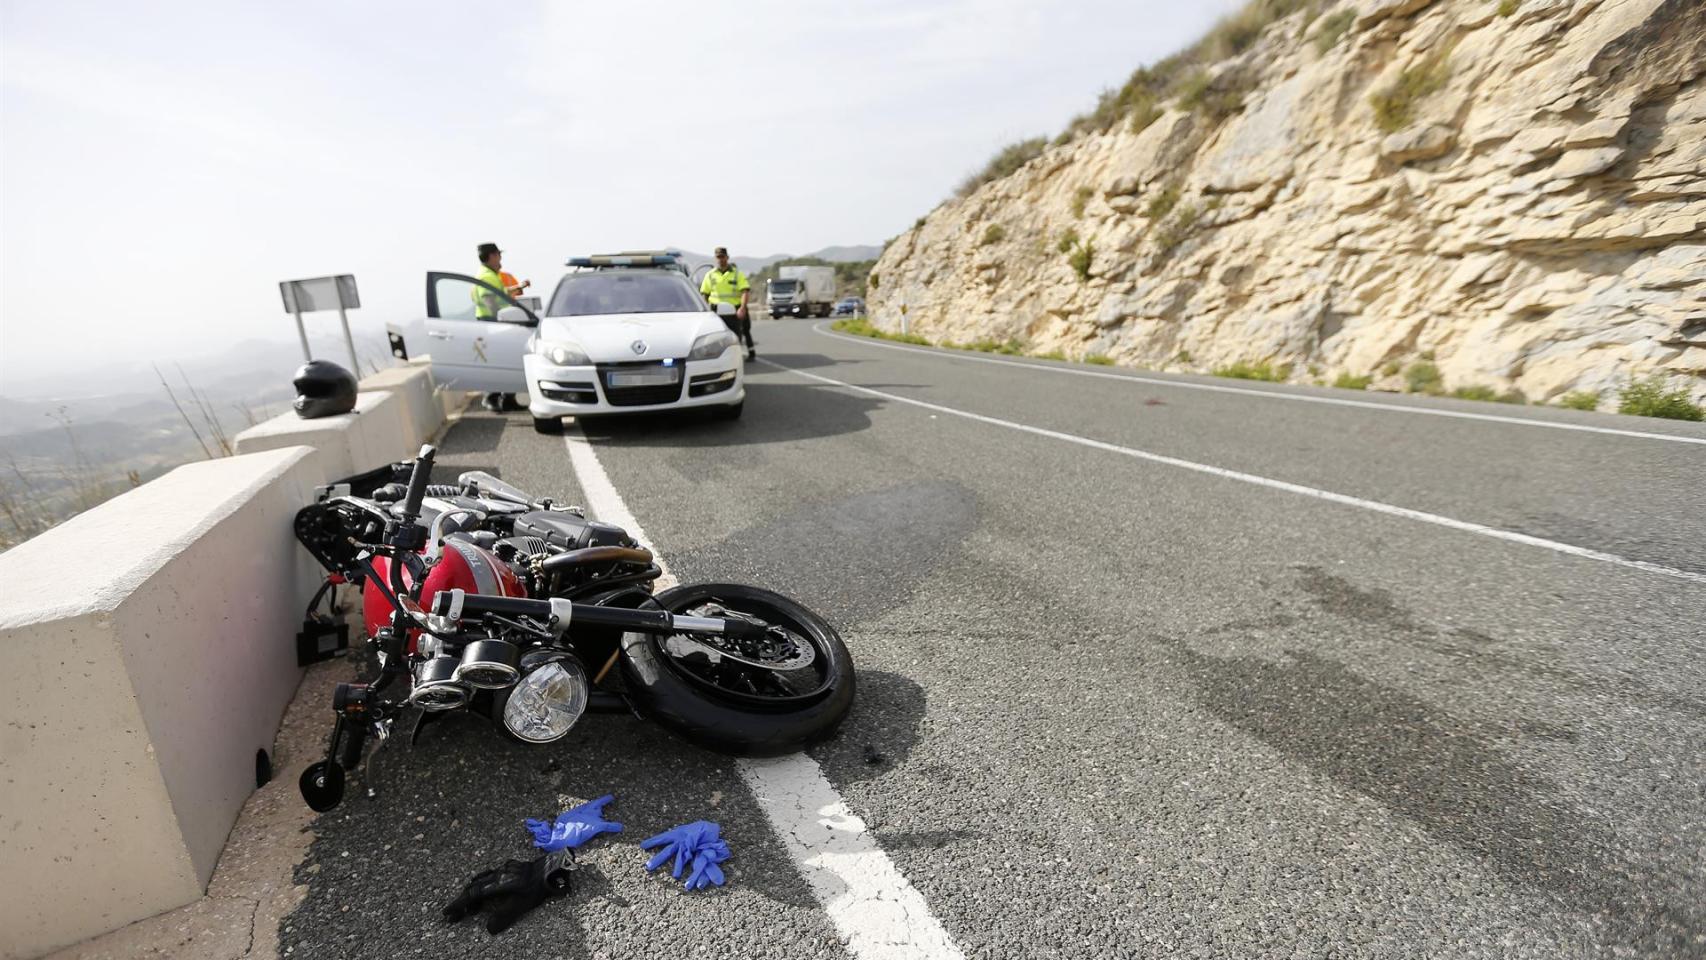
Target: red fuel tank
<point x="462" y="566"/>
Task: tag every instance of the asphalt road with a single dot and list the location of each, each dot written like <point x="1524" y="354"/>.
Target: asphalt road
<point x="1116" y="707"/>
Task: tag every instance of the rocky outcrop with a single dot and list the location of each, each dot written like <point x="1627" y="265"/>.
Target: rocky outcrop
<point x="1536" y="220"/>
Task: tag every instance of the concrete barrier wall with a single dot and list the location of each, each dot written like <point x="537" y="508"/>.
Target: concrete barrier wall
<point x="412" y="384"/>
<point x="147" y="651"/>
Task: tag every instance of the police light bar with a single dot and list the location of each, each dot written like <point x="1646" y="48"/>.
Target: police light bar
<point x="624" y="260"/>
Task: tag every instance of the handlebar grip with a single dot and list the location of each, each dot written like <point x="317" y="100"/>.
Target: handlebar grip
<point x="418" y="481"/>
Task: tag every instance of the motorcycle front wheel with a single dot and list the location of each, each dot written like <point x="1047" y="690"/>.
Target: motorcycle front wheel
<point x="757" y="703"/>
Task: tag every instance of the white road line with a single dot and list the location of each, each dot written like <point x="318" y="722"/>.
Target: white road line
<point x="877" y="912"/>
<point x="1297" y="488"/>
<point x="946" y="354"/>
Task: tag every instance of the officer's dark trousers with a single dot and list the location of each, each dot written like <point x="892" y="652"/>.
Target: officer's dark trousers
<point x="741" y="328"/>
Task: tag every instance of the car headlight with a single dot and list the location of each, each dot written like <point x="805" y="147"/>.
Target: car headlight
<point x="547" y="701"/>
<point x="563" y="353"/>
<point x="711" y="345"/>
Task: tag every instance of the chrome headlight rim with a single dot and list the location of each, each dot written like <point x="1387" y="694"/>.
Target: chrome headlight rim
<point x="538" y="669"/>
<point x="436" y="687"/>
<point x="712" y="345"/>
<point x="489" y="664"/>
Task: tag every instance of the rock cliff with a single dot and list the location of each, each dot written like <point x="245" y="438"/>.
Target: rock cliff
<point x="1514" y="191"/>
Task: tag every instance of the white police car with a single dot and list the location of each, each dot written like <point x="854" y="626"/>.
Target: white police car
<point x="623" y="333"/>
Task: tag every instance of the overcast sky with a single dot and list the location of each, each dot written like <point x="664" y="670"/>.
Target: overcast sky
<point x="165" y="164"/>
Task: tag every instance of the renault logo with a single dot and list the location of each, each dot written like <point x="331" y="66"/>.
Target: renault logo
<point x="638" y="346"/>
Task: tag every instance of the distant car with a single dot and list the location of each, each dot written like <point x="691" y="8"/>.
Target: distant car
<point x="621" y="334"/>
<point x="849" y="307"/>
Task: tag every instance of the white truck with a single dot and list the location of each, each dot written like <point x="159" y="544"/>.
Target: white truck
<point x="801" y="291"/>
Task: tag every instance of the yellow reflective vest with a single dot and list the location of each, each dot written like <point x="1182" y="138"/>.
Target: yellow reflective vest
<point x="725" y="286"/>
<point x="486" y="303"/>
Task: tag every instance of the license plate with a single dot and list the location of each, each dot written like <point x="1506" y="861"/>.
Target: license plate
<point x="646" y="378"/>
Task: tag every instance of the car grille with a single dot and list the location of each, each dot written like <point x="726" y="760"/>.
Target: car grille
<point x="636" y="396"/>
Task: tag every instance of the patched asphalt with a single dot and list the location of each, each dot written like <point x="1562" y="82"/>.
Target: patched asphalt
<point x="1111" y="708"/>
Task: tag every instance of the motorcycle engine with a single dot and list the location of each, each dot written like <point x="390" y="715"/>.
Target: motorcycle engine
<point x="569" y="531"/>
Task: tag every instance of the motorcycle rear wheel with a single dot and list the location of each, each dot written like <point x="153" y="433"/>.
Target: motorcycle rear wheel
<point x="732" y="708"/>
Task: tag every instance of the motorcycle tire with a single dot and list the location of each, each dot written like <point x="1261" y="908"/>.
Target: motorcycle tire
<point x="661" y="691"/>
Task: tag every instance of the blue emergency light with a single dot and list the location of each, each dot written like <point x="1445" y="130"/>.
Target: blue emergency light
<point x="624" y="260"/>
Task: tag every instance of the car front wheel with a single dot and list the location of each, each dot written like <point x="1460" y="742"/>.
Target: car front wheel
<point x="730" y="412"/>
<point x="548" y="425"/>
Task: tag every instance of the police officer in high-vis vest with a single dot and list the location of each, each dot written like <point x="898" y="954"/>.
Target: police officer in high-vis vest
<point x="726" y="284"/>
<point x="486" y="306"/>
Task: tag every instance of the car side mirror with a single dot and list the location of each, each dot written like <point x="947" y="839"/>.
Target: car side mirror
<point x="513" y="315"/>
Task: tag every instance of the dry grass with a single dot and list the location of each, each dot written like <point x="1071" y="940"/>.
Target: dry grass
<point x="1395" y="104"/>
<point x="1004" y="163"/>
<point x="1139" y="98"/>
<point x="1333" y="29"/>
<point x="1173" y="231"/>
<point x="1081" y="199"/>
<point x="1162" y="202"/>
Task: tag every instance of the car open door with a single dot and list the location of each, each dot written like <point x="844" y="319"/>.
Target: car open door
<point x="478" y="355"/>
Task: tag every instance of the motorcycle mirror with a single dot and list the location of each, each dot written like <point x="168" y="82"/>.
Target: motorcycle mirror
<point x="322" y="785"/>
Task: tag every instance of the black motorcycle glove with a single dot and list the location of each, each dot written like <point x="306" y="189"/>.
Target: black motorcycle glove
<point x="511" y="890"/>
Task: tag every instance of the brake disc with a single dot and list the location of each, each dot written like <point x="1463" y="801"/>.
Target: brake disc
<point x="784" y="650"/>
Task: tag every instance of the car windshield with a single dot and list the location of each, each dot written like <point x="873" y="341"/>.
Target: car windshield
<point x="783" y="286"/>
<point x="623" y="291"/>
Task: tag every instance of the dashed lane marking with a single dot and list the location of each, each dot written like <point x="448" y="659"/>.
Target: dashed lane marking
<point x="1496" y="533"/>
<point x="1265" y="394"/>
<point x="878" y="913"/>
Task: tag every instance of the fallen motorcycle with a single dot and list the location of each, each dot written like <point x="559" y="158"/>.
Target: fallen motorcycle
<point x="478" y="597"/>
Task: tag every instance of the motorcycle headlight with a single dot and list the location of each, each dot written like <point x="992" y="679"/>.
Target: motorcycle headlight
<point x="563" y="353"/>
<point x="711" y="345"/>
<point x="547" y="701"/>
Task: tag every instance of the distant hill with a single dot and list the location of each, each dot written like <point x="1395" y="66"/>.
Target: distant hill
<point x="752" y="265"/>
<point x="853" y="254"/>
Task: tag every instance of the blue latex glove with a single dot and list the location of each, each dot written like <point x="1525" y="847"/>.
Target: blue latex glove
<point x="573" y="826"/>
<point x="696" y="848"/>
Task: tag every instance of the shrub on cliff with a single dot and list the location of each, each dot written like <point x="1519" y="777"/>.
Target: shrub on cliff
<point x="1423" y="377"/>
<point x="1254" y="371"/>
<point x="1654" y="397"/>
<point x="1080" y="258"/>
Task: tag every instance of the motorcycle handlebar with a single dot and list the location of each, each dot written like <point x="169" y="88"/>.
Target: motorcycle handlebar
<point x="418" y="478"/>
<point x="458" y="605"/>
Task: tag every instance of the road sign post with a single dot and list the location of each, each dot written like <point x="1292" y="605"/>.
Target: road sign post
<point x="323" y="293"/>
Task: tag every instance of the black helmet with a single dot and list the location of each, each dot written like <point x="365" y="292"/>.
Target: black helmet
<point x="323" y="389"/>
